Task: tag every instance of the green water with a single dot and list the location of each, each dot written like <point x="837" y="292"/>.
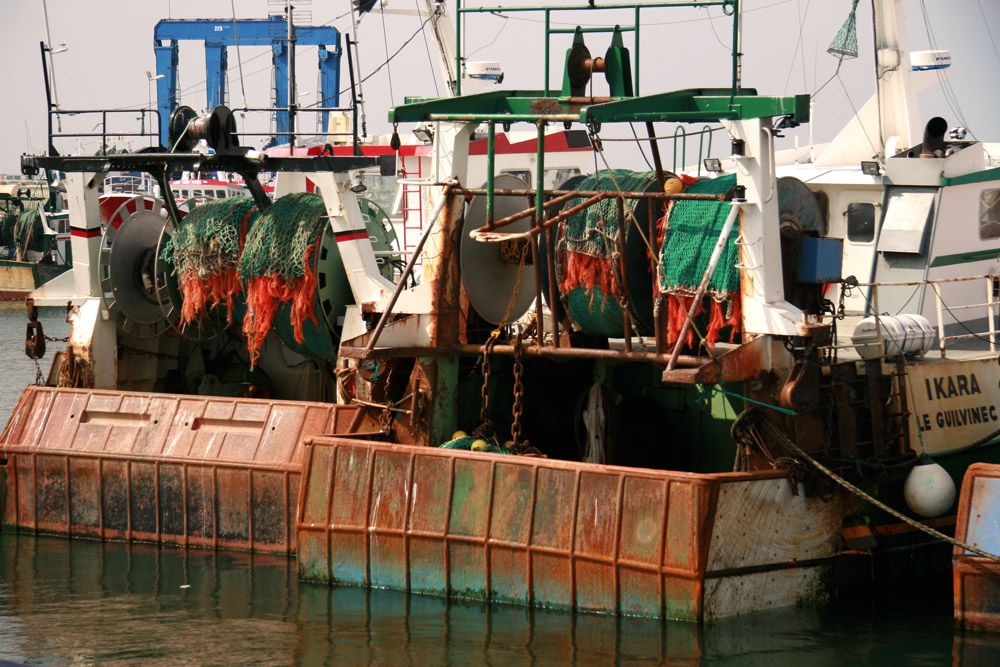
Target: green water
<point x="84" y="602"/>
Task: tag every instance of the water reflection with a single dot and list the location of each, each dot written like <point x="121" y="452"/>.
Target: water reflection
<point x="76" y="601"/>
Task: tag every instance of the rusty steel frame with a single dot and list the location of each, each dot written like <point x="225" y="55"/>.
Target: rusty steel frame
<point x="976" y="580"/>
<point x="465" y="524"/>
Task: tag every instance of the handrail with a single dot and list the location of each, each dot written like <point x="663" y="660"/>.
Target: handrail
<point x="990" y="305"/>
<point x="729" y="7"/>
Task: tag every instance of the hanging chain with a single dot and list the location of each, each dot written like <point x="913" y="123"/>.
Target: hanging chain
<point x="484" y="365"/>
<point x="385" y="419"/>
<point x="485" y="368"/>
<point x="518" y="407"/>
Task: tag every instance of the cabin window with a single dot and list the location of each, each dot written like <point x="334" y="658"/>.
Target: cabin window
<point x="861" y="222"/>
<point x="989" y="214"/>
<point x="197" y="193"/>
<point x="523" y="174"/>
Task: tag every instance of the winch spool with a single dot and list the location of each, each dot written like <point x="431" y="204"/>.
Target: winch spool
<point x="492" y="271"/>
<point x="201" y="266"/>
<point x="127" y="266"/>
<point x="218" y="128"/>
<point x="294" y="277"/>
<point x="593" y="289"/>
<point x="799" y="212"/>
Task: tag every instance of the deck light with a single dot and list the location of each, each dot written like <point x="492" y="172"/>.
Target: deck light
<point x="713" y="165"/>
<point x="870" y="168"/>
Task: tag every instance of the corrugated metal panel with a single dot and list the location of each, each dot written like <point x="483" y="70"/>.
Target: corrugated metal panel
<point x="514" y="529"/>
<point x="191" y="470"/>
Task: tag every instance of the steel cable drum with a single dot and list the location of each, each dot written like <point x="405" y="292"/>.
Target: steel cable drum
<point x="587" y="278"/>
<point x="490" y="270"/>
<point x="127" y="266"/>
<point x="799" y="211"/>
<point x="294" y="277"/>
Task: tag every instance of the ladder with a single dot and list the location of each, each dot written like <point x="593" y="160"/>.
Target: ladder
<point x="411" y="204"/>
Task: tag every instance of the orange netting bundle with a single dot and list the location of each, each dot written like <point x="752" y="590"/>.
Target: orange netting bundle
<point x="204" y="250"/>
<point x="278" y="266"/>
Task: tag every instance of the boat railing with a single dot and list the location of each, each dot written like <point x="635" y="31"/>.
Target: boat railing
<point x="990" y="308"/>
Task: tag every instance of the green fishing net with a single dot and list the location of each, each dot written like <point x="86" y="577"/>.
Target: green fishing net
<point x="692" y="232"/>
<point x="277" y="244"/>
<point x="845" y="43"/>
<point x="587" y="282"/>
<point x="209" y="237"/>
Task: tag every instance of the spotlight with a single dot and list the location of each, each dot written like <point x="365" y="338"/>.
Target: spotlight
<point x="424" y="133"/>
<point x="357" y="187"/>
<point x="870" y="168"/>
<point x="713" y="165"/>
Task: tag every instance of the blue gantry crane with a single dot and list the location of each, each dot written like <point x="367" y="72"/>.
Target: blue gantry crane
<point x="218" y="35"/>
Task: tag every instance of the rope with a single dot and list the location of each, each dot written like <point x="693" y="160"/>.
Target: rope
<point x="778" y="435"/>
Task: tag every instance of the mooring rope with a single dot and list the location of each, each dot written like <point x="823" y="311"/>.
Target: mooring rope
<point x="786" y="442"/>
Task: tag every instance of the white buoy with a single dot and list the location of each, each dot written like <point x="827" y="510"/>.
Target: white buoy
<point x="929" y="490"/>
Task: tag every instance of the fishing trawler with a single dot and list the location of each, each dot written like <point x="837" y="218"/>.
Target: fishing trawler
<point x="34" y="238"/>
<point x="621" y="392"/>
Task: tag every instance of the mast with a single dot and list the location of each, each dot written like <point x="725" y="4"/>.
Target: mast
<point x="897" y="106"/>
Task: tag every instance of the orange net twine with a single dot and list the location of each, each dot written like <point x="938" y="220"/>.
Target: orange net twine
<point x="587" y="272"/>
<point x="266" y="294"/>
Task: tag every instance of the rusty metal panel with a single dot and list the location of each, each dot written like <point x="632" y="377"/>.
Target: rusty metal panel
<point x="976" y="579"/>
<point x="500" y="528"/>
<point x="188" y="470"/>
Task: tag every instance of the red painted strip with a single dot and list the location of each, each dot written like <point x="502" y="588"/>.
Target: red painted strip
<point x="351" y="236"/>
<point x="85" y="233"/>
<point x="130" y="205"/>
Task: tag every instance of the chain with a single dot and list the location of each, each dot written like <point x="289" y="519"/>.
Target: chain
<point x="518" y="407"/>
<point x="38" y="372"/>
<point x="54" y="339"/>
<point x="484" y="364"/>
<point x="148" y="354"/>
<point x="385" y="419"/>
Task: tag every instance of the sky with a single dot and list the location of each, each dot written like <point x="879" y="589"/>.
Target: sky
<point x="109" y="51"/>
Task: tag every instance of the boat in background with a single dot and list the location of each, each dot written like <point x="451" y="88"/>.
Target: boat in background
<point x="34" y="237"/>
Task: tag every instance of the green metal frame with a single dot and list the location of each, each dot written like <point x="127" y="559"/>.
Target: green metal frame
<point x="637" y="7"/>
<point x="681" y="106"/>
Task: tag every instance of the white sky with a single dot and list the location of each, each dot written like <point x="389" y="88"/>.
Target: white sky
<point x="110" y="50"/>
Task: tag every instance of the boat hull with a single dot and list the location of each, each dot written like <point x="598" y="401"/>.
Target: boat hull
<point x="196" y="471"/>
<point x="561" y="534"/>
<point x="19" y="279"/>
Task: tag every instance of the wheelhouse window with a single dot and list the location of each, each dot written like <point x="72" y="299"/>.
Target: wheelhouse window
<point x="861" y="222"/>
<point x="989" y="214"/>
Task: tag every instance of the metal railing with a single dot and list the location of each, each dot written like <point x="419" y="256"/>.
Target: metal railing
<point x="991" y="307"/>
<point x="729" y="7"/>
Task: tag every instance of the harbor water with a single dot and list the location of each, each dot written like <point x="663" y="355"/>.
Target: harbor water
<point x="84" y="602"/>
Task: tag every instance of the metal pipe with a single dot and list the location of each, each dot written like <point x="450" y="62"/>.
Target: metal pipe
<point x="458" y="47"/>
<point x="635" y="59"/>
<point x="505" y="118"/>
<point x="550" y="265"/>
<point x="526" y="192"/>
<point x="491" y="133"/>
<point x="292" y="94"/>
<point x="548" y="31"/>
<point x="490" y="235"/>
<point x="574" y="8"/>
<point x="654" y="148"/>
<point x="700" y="293"/>
<point x="623" y="278"/>
<point x="520" y="215"/>
<point x="536" y="226"/>
<point x="401" y="285"/>
<point x="685" y="360"/>
<point x="48" y="97"/>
